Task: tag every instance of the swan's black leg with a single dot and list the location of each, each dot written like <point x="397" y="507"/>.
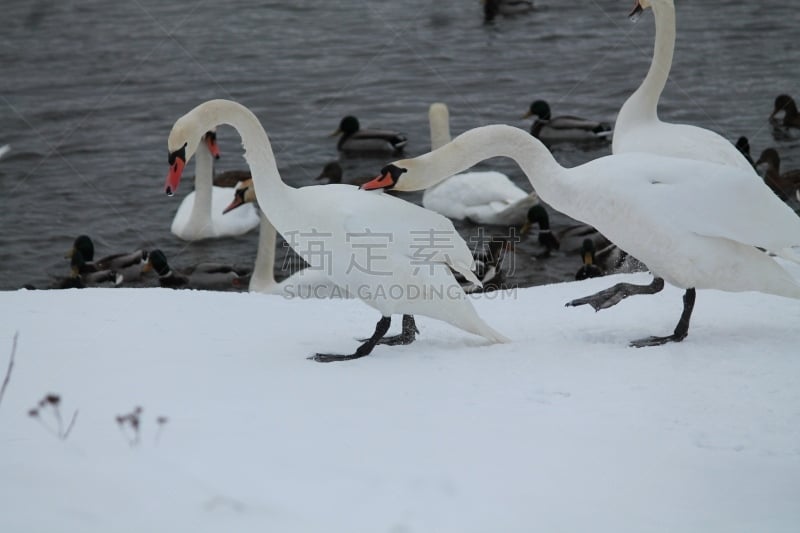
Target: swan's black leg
<point x="614" y="295"/>
<point x="406" y="337"/>
<point x="681" y="330"/>
<point x="365" y="349"/>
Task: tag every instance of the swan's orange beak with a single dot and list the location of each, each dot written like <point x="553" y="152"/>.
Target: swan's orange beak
<point x="213" y="147"/>
<point x="381" y="181"/>
<point x="237" y="201"/>
<point x="174" y="176"/>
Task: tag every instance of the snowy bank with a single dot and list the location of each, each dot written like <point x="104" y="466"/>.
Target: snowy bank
<point x="565" y="429"/>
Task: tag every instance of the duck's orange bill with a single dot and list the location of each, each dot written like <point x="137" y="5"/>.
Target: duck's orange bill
<point x="382" y="181"/>
<point x="174" y="176"/>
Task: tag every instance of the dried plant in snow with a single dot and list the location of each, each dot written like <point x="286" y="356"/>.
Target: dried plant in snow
<point x="48" y="413"/>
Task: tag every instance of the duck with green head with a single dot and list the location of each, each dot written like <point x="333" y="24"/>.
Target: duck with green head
<point x="355" y="140"/>
<point x="128" y="265"/>
<point x="565" y="128"/>
<point x="211" y="276"/>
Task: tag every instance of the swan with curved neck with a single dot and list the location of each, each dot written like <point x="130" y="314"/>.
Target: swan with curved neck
<point x="200" y="214"/>
<point x="638" y="128"/>
<point x="306" y="283"/>
<point x="484" y="197"/>
<point x="367" y="244"/>
<point x="696" y="234"/>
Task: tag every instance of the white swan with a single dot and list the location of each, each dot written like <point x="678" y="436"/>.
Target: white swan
<point x="638" y="128"/>
<point x="200" y="213"/>
<point x="391" y="254"/>
<point x="694" y="233"/>
<point x="484" y="197"/>
<point x="305" y="283"/>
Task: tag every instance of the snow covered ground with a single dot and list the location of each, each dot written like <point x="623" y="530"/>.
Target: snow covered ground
<point x="566" y="429"/>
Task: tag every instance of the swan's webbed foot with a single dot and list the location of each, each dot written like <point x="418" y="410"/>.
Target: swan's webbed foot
<point x="681" y="330"/>
<point x="614" y="295"/>
<point x="365" y="349"/>
<point x="656" y="341"/>
<point x="331" y="357"/>
<point x="406" y="337"/>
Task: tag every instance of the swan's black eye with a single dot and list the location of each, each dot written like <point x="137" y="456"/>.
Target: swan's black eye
<point x="177" y="154"/>
<point x="393" y="171"/>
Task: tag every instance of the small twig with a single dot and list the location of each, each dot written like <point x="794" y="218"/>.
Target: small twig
<point x="71" y="425"/>
<point x="10" y="366"/>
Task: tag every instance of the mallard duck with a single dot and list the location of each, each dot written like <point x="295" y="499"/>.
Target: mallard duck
<point x="354" y="139"/>
<point x="589" y="269"/>
<point x="492" y="8"/>
<point x="785" y="103"/>
<point x="333" y="173"/>
<point x="565" y="128"/>
<point x="128" y="265"/>
<point x="537" y="215"/>
<point x="782" y="184"/>
<point x="207" y="276"/>
<point x="82" y="276"/>
<point x="488" y="267"/>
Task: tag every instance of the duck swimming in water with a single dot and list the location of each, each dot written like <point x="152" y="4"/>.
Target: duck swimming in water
<point x="565" y="128"/>
<point x="355" y="140"/>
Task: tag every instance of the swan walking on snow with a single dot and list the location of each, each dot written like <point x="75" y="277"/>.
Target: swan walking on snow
<point x="393" y="255"/>
<point x="484" y="197"/>
<point x="689" y="231"/>
<point x="638" y="128"/>
<point x="200" y="213"/>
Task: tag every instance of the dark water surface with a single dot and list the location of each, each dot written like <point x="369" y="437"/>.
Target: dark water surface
<point x="89" y="91"/>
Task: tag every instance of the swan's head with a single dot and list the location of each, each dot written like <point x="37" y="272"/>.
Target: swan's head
<point x="185" y="137"/>
<point x="348" y="126"/>
<point x="538" y="108"/>
<point x="243" y="194"/>
<point x="389" y="178"/>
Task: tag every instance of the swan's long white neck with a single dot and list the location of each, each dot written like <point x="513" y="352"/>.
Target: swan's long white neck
<point x="263" y="276"/>
<point x="439" y="121"/>
<point x="642" y="105"/>
<point x="273" y="195"/>
<point x="200" y="216"/>
<point x="550" y="179"/>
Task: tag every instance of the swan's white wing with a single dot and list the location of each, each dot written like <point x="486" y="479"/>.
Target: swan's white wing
<point x="473" y="194"/>
<point x="704" y="198"/>
<point x="682" y="141"/>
